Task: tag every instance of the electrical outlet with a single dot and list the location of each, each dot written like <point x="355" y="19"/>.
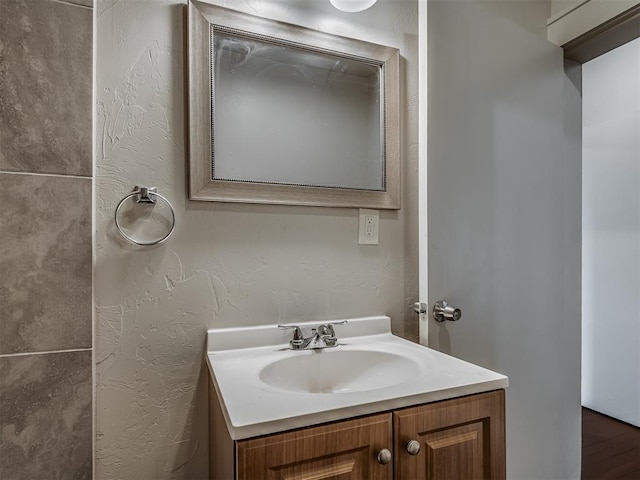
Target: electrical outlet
<point x="369" y="223"/>
<point x="368" y="227"/>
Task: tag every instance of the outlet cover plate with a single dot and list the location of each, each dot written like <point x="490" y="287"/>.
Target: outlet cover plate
<point x="369" y="227"/>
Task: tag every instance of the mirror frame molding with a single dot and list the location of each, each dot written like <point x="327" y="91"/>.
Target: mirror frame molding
<point x="201" y="18"/>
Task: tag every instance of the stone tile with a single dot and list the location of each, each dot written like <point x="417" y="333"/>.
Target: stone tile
<point x="85" y="3"/>
<point x="45" y="260"/>
<point x="45" y="87"/>
<point x="46" y="416"/>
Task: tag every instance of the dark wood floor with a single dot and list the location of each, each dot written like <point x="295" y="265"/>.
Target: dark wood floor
<point x="610" y="448"/>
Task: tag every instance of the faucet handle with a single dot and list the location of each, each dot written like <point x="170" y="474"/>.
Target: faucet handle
<point x="331" y="324"/>
<point x="298" y="337"/>
<point x="321" y="330"/>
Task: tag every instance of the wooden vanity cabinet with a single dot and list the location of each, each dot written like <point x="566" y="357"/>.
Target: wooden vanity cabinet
<point x="345" y="450"/>
<point x="461" y="438"/>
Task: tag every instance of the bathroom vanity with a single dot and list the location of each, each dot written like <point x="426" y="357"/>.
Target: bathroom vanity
<point x="375" y="407"/>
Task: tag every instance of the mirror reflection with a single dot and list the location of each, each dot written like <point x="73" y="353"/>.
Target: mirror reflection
<point x="288" y="115"/>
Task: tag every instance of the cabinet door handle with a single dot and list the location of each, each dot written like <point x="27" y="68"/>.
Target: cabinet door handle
<point x="384" y="456"/>
<point x="413" y="447"/>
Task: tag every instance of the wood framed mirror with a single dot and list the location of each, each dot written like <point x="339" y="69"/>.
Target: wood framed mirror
<point x="283" y="114"/>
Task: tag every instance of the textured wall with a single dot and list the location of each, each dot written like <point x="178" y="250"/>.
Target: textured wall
<point x="611" y="233"/>
<point x="45" y="239"/>
<point x="226" y="264"/>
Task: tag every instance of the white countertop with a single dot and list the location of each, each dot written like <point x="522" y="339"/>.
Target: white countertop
<point x="236" y="357"/>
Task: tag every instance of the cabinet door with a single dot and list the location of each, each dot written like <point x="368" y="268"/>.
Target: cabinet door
<point x="460" y="439"/>
<point x="344" y="450"/>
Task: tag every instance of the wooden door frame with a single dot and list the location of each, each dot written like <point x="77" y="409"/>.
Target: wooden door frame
<point x="423" y="265"/>
<point x="605" y="37"/>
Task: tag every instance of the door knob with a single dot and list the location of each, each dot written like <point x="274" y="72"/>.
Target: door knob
<point x="384" y="456"/>
<point x="443" y="311"/>
<point x="413" y="447"/>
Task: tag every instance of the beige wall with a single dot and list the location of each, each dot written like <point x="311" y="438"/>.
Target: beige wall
<point x="226" y="264"/>
<point x="558" y="5"/>
<point x="611" y="232"/>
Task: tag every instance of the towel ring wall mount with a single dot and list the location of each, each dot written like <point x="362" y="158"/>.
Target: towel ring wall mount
<point x="145" y="195"/>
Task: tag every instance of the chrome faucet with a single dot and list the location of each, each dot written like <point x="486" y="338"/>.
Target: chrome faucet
<point x="322" y="337"/>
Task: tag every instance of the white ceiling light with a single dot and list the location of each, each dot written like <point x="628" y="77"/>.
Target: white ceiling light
<point x="352" y="5"/>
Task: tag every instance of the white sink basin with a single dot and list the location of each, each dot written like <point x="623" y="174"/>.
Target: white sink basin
<point x="334" y="370"/>
<point x="264" y="387"/>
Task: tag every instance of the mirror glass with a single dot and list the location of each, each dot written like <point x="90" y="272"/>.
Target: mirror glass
<point x="292" y="116"/>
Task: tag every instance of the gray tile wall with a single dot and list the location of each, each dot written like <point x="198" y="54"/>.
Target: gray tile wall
<point x="45" y="257"/>
<point x="45" y="239"/>
<point x="46" y="416"/>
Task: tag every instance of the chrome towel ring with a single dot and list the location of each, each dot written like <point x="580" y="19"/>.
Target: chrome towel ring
<point x="145" y="195"/>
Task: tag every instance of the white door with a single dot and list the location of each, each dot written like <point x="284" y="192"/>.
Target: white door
<point x="611" y="233"/>
<point x="503" y="243"/>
